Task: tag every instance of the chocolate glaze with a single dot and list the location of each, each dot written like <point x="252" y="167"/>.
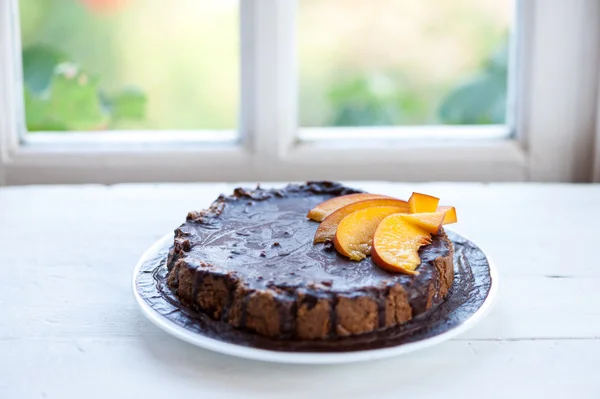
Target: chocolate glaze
<point x="472" y="283"/>
<point x="263" y="238"/>
<point x="249" y="260"/>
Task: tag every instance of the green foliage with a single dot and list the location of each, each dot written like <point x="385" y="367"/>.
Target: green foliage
<point x="38" y="66"/>
<point x="377" y="100"/>
<point x="128" y="104"/>
<point x="360" y="100"/>
<point x="61" y="96"/>
<point x="356" y="104"/>
<point x="482" y="99"/>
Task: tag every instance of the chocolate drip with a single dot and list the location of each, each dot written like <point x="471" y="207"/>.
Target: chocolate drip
<point x="231" y="288"/>
<point x="175" y="275"/>
<point x="380" y="299"/>
<point x="287" y="316"/>
<point x="199" y="276"/>
<point x="472" y="284"/>
<point x="333" y="315"/>
<point x="244" y="315"/>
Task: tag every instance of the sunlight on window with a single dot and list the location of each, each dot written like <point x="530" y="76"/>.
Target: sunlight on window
<point x="403" y="62"/>
<point x="130" y="64"/>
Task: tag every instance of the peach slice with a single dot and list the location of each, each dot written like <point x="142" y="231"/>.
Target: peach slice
<point x="422" y="203"/>
<point x="396" y="244"/>
<point x="450" y="214"/>
<point x="326" y="208"/>
<point x="430" y="222"/>
<point x="328" y="227"/>
<point x="354" y="234"/>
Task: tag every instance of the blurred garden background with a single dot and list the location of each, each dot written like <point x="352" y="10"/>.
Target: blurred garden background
<point x="152" y="64"/>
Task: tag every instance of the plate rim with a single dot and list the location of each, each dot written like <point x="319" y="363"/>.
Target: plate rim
<point x="275" y="356"/>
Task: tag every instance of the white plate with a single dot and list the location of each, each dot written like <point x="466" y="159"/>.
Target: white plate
<point x="231" y="349"/>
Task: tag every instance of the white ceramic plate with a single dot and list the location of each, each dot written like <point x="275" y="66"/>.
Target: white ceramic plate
<point x="231" y="349"/>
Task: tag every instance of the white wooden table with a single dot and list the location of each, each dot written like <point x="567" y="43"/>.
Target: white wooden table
<point x="69" y="326"/>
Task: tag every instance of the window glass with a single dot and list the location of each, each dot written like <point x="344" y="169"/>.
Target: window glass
<point x="403" y="62"/>
<point x="130" y="64"/>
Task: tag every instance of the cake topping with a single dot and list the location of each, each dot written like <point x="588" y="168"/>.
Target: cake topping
<point x="328" y="227"/>
<point x="326" y="208"/>
<point x="450" y="216"/>
<point x="431" y="222"/>
<point x="396" y="244"/>
<point x="422" y="203"/>
<point x="354" y="234"/>
<point x="389" y="229"/>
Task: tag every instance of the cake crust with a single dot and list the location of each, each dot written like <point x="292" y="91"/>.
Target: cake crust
<point x="249" y="261"/>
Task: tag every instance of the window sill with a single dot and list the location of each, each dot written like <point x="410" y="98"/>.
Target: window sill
<point x="161" y="158"/>
<point x="452" y="133"/>
<point x="129" y="140"/>
<point x="414" y="160"/>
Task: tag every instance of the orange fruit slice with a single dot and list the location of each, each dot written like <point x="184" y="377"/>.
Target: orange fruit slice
<point x="326" y="208"/>
<point x="327" y="228"/>
<point x="430" y="222"/>
<point x="450" y="214"/>
<point x="354" y="234"/>
<point x="396" y="244"/>
<point x="422" y="203"/>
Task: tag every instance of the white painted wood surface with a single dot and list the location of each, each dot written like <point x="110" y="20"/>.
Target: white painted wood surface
<point x="69" y="326"/>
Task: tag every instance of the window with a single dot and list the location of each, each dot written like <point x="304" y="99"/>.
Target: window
<point x="92" y="65"/>
<point x="290" y="90"/>
<point x="398" y="62"/>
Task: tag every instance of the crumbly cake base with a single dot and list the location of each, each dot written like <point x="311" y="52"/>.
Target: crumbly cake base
<point x="230" y="285"/>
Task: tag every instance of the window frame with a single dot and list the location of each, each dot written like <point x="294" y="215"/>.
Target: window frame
<point x="554" y="104"/>
<point x="596" y="161"/>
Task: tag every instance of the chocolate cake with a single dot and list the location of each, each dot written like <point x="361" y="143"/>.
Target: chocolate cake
<point x="249" y="260"/>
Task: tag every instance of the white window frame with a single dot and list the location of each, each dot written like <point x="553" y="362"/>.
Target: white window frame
<point x="596" y="156"/>
<point x="554" y="96"/>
